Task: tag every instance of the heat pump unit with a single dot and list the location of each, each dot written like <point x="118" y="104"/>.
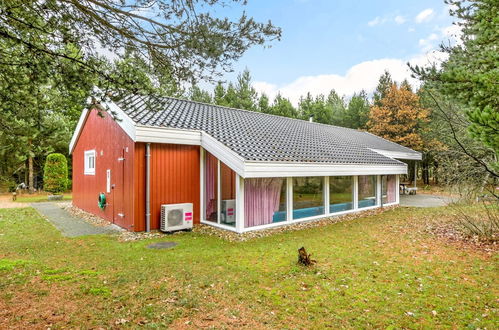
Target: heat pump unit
<point x="176" y="217"/>
<point x="228" y="211"/>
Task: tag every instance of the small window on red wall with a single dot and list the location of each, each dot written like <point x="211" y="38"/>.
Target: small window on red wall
<point x="90" y="162"/>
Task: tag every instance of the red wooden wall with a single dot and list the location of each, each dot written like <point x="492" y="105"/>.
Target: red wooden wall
<point x="110" y="142"/>
<point x="174" y="179"/>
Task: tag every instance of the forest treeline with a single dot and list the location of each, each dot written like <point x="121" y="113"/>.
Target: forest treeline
<point x="48" y="68"/>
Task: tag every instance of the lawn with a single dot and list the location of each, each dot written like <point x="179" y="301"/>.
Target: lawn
<point x="40" y="197"/>
<point x="376" y="271"/>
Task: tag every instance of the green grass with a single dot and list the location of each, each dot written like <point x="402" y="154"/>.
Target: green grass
<point x="378" y="271"/>
<point x="36" y="198"/>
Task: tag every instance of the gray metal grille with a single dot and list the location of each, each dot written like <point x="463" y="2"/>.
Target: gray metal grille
<point x="175" y="217"/>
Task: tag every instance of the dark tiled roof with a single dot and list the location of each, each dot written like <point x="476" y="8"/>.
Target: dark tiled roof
<point x="375" y="142"/>
<point x="256" y="136"/>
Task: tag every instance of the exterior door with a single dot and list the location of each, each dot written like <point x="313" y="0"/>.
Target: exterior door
<point x="119" y="189"/>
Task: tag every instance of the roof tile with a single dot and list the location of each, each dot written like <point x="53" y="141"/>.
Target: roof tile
<point x="261" y="137"/>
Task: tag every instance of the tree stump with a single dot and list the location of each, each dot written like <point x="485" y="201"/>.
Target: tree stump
<point x="304" y="257"/>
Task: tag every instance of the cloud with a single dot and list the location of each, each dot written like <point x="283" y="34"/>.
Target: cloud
<point x="399" y="19"/>
<point x="424" y="16"/>
<point x="376" y="21"/>
<point x="364" y="76"/>
<point x="428" y="43"/>
<point x="452" y="33"/>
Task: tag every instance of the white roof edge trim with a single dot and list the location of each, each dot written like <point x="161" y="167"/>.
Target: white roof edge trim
<point x="125" y="122"/>
<point x="121" y="118"/>
<point x="269" y="169"/>
<point x="76" y="133"/>
<point x="223" y="153"/>
<point x="153" y="134"/>
<point x="415" y="155"/>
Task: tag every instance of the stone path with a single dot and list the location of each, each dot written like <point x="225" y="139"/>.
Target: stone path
<point x="69" y="225"/>
<point x="424" y="200"/>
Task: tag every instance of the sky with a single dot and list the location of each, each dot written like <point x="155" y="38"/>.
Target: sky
<point x="342" y="44"/>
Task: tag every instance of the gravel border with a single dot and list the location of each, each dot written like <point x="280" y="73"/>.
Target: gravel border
<point x="79" y="213"/>
<point x="129" y="236"/>
<point x="235" y="237"/>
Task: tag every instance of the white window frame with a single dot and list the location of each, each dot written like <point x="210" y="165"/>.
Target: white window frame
<point x="88" y="154"/>
<point x="240" y="223"/>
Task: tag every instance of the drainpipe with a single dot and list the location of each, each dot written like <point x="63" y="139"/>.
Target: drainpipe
<point x="148" y="187"/>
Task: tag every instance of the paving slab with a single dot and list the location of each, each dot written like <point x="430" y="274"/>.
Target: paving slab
<point x="424" y="200"/>
<point x="162" y="245"/>
<point x="68" y="225"/>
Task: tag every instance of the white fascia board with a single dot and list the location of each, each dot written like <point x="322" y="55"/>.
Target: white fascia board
<point x="399" y="155"/>
<point x="223" y="153"/>
<point x="273" y="169"/>
<point x="169" y="135"/>
<point x="125" y="122"/>
<point x="115" y="112"/>
<point x="76" y="133"/>
<point x="153" y="134"/>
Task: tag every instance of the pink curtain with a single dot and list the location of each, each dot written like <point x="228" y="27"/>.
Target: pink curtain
<point x="261" y="200"/>
<point x="391" y="182"/>
<point x="210" y="177"/>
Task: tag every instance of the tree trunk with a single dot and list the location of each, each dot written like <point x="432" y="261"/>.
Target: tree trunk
<point x="425" y="170"/>
<point x="435" y="172"/>
<point x="304" y="258"/>
<point x="26" y="173"/>
<point x="30" y="175"/>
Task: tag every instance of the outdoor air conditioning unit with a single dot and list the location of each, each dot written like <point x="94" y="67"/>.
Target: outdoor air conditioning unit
<point x="228" y="211"/>
<point x="176" y="217"/>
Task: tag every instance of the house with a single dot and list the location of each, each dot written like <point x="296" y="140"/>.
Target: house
<point x="241" y="170"/>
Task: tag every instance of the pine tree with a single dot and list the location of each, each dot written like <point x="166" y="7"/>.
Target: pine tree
<point x="471" y="74"/>
<point x="247" y="96"/>
<point x="338" y="109"/>
<point x="305" y="106"/>
<point x="283" y="107"/>
<point x="263" y="103"/>
<point x="230" y="97"/>
<point x="219" y="95"/>
<point x="385" y="82"/>
<point x="199" y="95"/>
<point x="357" y="113"/>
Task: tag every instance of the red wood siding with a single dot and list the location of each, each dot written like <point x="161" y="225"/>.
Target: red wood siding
<point x="110" y="142"/>
<point x="174" y="179"/>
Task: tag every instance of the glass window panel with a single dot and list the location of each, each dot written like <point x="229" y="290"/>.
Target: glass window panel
<point x="367" y="190"/>
<point x="264" y="201"/>
<point x="211" y="187"/>
<point x="308" y="197"/>
<point x="340" y="193"/>
<point x="228" y="190"/>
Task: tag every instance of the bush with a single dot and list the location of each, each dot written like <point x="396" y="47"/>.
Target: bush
<point x="481" y="221"/>
<point x="55" y="176"/>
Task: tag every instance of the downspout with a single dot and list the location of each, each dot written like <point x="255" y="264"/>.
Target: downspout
<point x="148" y="187"/>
